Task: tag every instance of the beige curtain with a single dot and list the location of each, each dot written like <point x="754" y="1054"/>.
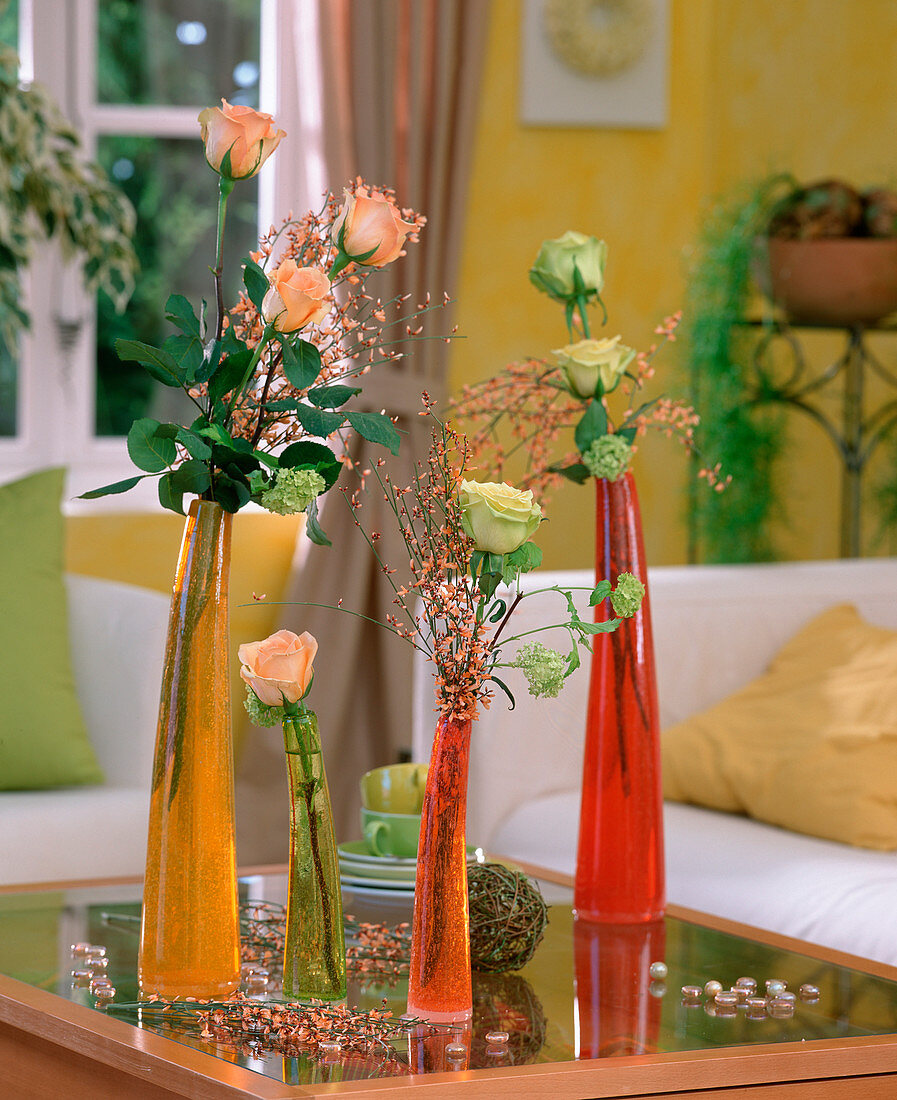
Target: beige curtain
<point x="401" y="80"/>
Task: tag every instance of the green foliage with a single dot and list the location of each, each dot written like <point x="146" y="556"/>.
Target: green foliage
<point x="733" y="525"/>
<point x="47" y="190"/>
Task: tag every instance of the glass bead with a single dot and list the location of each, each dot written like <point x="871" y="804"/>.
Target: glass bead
<point x="774" y="986"/>
<point x="741" y="994"/>
<point x="658" y="970"/>
<point x="657" y="989"/>
<point x="105" y="993"/>
<point x="81" y="948"/>
<point x="96" y="962"/>
<point x="756" y="1004"/>
<point x="496" y="1036"/>
<point x="455" y="1050"/>
<point x="82" y="977"/>
<point x="780" y="1008"/>
<point x="726" y="1010"/>
<point x="329" y="1046"/>
<point x="809" y="992"/>
<point x="746" y="983"/>
<point x="692" y="992"/>
<point x="786" y="995"/>
<point x="713" y="987"/>
<point x="726" y="997"/>
<point x="100" y="983"/>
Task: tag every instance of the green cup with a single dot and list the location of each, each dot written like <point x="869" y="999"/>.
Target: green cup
<point x="390" y="834"/>
<point x="395" y="789"/>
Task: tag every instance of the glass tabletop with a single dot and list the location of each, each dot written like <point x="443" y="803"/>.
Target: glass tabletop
<point x="588" y="992"/>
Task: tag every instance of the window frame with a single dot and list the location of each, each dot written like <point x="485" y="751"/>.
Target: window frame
<point x="55" y="391"/>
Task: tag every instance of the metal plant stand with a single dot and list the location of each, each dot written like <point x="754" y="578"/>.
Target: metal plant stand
<point x="859" y="431"/>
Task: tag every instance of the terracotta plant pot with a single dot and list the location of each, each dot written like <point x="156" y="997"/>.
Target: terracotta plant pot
<point x="833" y="281"/>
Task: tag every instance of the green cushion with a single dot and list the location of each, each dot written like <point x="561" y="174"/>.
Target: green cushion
<point x="43" y="739"/>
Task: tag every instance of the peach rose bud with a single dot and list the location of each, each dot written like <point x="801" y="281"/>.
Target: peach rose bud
<point x="370" y="230"/>
<point x="298" y="297"/>
<point x="280" y="667"/>
<point x="238" y="140"/>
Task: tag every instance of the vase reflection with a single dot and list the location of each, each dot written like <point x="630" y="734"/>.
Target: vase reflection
<point x="615" y="1010"/>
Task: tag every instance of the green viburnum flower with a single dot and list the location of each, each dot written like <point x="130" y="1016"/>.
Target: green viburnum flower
<point x="608" y="457"/>
<point x="293" y="491"/>
<point x="260" y="714"/>
<point x="626" y="598"/>
<point x="543" y="668"/>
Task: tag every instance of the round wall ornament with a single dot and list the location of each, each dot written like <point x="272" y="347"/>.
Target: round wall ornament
<point x="598" y="38"/>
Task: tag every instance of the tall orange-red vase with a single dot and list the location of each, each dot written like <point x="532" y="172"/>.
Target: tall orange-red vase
<point x="190" y="935"/>
<point x="439" y="983"/>
<point x="620" y="860"/>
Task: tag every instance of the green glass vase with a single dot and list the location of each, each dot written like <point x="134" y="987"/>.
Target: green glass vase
<point x="314" y="962"/>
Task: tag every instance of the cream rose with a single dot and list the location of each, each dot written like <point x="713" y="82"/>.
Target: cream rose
<point x="297" y="297"/>
<point x="553" y="270"/>
<point x="588" y="362"/>
<point x="248" y="136"/>
<point x="280" y="667"/>
<point x="498" y="518"/>
<point x="370" y="224"/>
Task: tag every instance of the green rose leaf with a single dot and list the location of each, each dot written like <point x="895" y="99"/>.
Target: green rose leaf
<point x="301" y="362"/>
<point x="115" y="487"/>
<point x="147" y="450"/>
<point x="179" y="311"/>
<point x="599" y="628"/>
<point x="230" y="493"/>
<point x="319" y="423"/>
<point x="376" y="428"/>
<point x="331" y="397"/>
<point x="628" y="434"/>
<point x="169" y="497"/>
<point x="234" y="457"/>
<point x="600" y="593"/>
<point x="288" y="404"/>
<point x="228" y="374"/>
<point x="524" y="559"/>
<point x="155" y="361"/>
<point x="256" y="283"/>
<point x="186" y="351"/>
<point x="592" y="425"/>
<point x="576" y="471"/>
<point x="313" y="528"/>
<point x="312" y="456"/>
<point x="504" y="687"/>
<point x="194" y="443"/>
<point x="191" y="476"/>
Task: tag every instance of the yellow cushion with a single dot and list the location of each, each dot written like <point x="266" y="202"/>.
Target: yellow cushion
<point x="811" y="745"/>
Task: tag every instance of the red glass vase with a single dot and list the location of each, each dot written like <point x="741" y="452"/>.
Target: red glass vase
<point x="620" y="863"/>
<point x="617" y="1004"/>
<point x="439" y="983"/>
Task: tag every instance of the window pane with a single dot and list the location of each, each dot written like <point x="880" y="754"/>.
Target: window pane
<point x="178" y="52"/>
<point x="175" y="194"/>
<point x="9" y="36"/>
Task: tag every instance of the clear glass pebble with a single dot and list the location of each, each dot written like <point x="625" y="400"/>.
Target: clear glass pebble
<point x="692" y="992"/>
<point x="779" y="1007"/>
<point x="809" y="992"/>
<point x="496" y="1036"/>
<point x="329" y="1046"/>
<point x="756" y="1004"/>
<point x="455" y="1050"/>
<point x="726" y="997"/>
<point x="96" y="962"/>
<point x="81" y="948"/>
<point x="746" y="983"/>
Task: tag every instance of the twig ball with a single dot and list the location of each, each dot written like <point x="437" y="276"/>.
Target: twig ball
<point x="507" y="917"/>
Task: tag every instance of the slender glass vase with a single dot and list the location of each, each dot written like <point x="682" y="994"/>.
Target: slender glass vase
<point x="190" y="934"/>
<point x="439" y="984"/>
<point x="620" y="862"/>
<point x="617" y="1005"/>
<point x="314" y="962"/>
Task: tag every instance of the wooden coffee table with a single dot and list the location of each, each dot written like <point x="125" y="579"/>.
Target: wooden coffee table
<point x="585" y="1017"/>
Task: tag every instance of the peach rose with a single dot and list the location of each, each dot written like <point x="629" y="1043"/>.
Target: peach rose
<point x="238" y="140"/>
<point x="370" y="224"/>
<point x="296" y="298"/>
<point x="280" y="667"/>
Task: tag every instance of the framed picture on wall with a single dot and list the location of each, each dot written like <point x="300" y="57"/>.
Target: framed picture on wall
<point x="595" y="63"/>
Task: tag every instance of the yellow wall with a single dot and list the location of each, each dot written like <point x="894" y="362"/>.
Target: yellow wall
<point x="755" y="85"/>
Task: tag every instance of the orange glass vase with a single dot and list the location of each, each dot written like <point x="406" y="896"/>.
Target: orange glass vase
<point x="439" y="982"/>
<point x="190" y="934"/>
<point x="620" y="861"/>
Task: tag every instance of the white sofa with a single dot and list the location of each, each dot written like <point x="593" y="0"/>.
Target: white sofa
<point x="715" y="629"/>
<point x="118" y="639"/>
